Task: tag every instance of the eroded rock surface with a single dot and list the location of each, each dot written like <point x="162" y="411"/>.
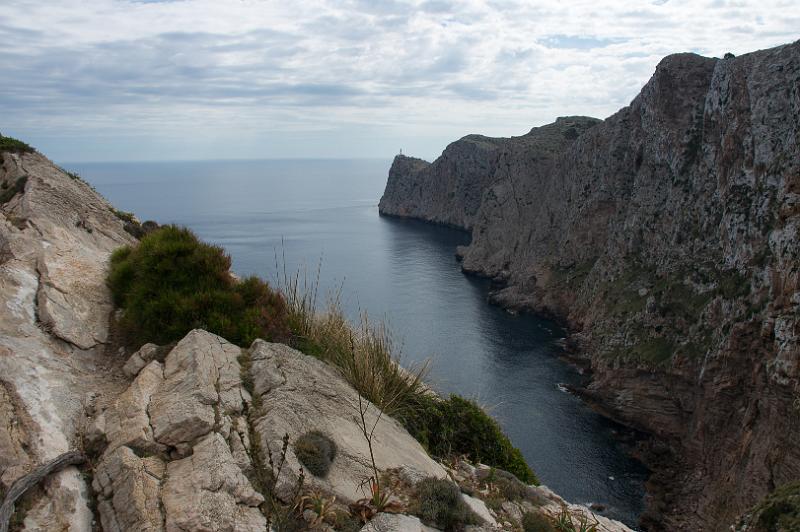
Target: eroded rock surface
<point x="667" y="236"/>
<point x="55" y="239"/>
<point x="298" y="394"/>
<point x="172" y="437"/>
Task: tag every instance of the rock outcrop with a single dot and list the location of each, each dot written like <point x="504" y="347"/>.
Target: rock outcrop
<point x="56" y="235"/>
<point x="667" y="237"/>
<point x="298" y="394"/>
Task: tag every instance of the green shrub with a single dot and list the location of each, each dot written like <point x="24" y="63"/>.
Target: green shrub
<point x="510" y="487"/>
<point x="316" y="452"/>
<point x="9" y="192"/>
<point x="439" y="503"/>
<point x="171" y="283"/>
<point x="11" y="145"/>
<point x="537" y="522"/>
<point x="457" y="426"/>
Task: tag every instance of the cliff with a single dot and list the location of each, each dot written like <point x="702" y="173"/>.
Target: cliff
<point x="200" y="434"/>
<point x="667" y="237"/>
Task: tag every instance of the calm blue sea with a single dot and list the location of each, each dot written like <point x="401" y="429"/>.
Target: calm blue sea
<point x="312" y="212"/>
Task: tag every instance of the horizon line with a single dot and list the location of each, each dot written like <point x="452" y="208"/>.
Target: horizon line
<point x="236" y="159"/>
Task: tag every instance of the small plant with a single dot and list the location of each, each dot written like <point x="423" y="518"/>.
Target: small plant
<point x="322" y="507"/>
<point x="537" y="522"/>
<point x="266" y="479"/>
<point x="564" y="522"/>
<point x="439" y="503"/>
<point x="316" y="452"/>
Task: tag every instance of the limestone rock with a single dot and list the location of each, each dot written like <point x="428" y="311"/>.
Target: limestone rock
<point x="129" y="491"/>
<point x="386" y="522"/>
<point x="140" y="359"/>
<point x="207" y="491"/>
<point x="178" y="445"/>
<point x="14" y="461"/>
<point x="127" y="422"/>
<point x="299" y="393"/>
<point x="480" y="509"/>
<point x="201" y="382"/>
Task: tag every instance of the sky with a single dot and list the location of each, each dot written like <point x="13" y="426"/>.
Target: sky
<point x="129" y="80"/>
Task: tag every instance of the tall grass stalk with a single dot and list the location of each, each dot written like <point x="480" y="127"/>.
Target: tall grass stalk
<point x="364" y="353"/>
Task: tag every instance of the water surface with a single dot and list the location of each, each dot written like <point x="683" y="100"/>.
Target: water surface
<point x="307" y="211"/>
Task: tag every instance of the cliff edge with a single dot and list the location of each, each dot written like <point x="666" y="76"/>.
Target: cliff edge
<point x="667" y="237"/>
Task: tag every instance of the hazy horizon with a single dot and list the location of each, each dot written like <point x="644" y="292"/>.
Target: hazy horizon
<point x="146" y="80"/>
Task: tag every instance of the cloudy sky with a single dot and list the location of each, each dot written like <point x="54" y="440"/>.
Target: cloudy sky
<point x="196" y="79"/>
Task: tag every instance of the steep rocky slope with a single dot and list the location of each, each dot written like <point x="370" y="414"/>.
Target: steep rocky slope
<point x="55" y="238"/>
<point x="189" y="436"/>
<point x="667" y="237"/>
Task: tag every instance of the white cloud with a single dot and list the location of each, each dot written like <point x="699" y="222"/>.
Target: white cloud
<point x="92" y="79"/>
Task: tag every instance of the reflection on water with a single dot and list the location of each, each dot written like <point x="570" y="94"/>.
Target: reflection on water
<point x="404" y="271"/>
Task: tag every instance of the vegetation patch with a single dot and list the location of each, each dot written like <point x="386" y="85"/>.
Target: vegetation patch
<point x="537" y="522"/>
<point x="316" y="451"/>
<point x="575" y="275"/>
<point x="125" y="216"/>
<point x="171" y="283"/>
<point x="778" y="512"/>
<point x="457" y="426"/>
<point x="364" y="354"/>
<point x="439" y="503"/>
<point x="732" y="285"/>
<point x="8" y="192"/>
<point x="12" y="145"/>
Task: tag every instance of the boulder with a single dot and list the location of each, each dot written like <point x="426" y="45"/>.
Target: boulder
<point x="207" y="491"/>
<point x="201" y="382"/>
<point x="127" y="422"/>
<point x="139" y="359"/>
<point x="480" y="509"/>
<point x="128" y="491"/>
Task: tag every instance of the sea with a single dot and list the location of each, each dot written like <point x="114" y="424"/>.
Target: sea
<point x="319" y="218"/>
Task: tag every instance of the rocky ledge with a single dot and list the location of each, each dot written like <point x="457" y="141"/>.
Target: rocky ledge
<point x="666" y="236"/>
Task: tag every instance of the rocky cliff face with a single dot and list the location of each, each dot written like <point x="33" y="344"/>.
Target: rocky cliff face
<point x="450" y="190"/>
<point x="197" y="436"/>
<point x="667" y="236"/>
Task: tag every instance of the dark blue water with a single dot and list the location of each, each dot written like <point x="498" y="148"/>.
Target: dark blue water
<point x="405" y="272"/>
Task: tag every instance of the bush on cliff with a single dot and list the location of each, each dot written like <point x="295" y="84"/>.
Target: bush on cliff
<point x="457" y="426"/>
<point x="777" y="512"/>
<point x="537" y="522"/>
<point x="11" y="145"/>
<point x="439" y="502"/>
<point x="171" y="283"/>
